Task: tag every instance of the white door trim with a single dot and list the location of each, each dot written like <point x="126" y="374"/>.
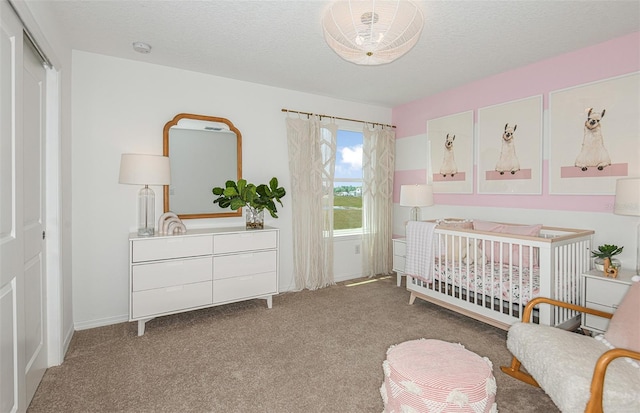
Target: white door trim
<point x="55" y="304"/>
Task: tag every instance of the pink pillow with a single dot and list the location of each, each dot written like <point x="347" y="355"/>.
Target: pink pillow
<point x="527" y="230"/>
<point x="624" y="327"/>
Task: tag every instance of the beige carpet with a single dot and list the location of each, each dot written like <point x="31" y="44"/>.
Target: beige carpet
<point x="315" y="351"/>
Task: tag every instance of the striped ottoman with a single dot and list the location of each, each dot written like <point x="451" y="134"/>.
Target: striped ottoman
<point x="436" y="376"/>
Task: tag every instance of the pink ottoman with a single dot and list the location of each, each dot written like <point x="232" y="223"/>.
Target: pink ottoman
<point x="436" y="376"/>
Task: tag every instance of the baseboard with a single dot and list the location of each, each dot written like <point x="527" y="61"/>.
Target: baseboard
<point x="84" y="325"/>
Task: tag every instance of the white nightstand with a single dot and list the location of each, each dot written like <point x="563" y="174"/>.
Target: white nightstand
<point x="399" y="256"/>
<point x="602" y="293"/>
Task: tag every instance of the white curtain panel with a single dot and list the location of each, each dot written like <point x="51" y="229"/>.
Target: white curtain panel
<point x="378" y="164"/>
<point x="312" y="157"/>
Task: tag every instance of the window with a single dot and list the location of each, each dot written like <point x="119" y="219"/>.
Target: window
<point x="347" y="185"/>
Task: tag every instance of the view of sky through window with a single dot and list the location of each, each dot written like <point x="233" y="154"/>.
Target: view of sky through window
<point x="348" y="158"/>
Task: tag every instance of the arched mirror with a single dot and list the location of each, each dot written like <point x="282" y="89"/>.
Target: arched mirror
<point x="204" y="152"/>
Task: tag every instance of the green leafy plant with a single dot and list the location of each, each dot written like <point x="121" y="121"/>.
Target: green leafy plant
<point x="236" y="195"/>
<point x="606" y="251"/>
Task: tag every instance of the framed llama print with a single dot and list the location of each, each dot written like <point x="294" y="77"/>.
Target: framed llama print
<point x="510" y="147"/>
<point x="450" y="143"/>
<point x="594" y="136"/>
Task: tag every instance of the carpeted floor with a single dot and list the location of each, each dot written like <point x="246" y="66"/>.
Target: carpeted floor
<point x="315" y="351"/>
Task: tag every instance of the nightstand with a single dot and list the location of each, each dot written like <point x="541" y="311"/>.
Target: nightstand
<point x="399" y="256"/>
<point x="602" y="293"/>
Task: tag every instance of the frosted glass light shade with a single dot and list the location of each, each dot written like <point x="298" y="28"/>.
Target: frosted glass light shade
<point x="368" y="32"/>
<point x="416" y="196"/>
<point x="139" y="169"/>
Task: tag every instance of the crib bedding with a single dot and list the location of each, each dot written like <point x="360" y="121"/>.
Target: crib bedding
<point x="491" y="279"/>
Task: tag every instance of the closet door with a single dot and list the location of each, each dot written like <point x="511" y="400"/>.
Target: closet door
<point x="33" y="137"/>
<point x="11" y="220"/>
<point x="23" y="351"/>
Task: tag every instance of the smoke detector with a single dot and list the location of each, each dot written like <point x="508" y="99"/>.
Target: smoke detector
<point x="142" y="47"/>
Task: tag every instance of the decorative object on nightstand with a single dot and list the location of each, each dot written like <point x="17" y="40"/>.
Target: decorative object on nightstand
<point x="254" y="198"/>
<point x="416" y="196"/>
<point x="140" y="169"/>
<point x="628" y="203"/>
<point x="604" y="260"/>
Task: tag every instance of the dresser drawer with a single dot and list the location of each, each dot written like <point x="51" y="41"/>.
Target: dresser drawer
<point x="592" y="322"/>
<point x="171" y="273"/>
<point x="245" y="287"/>
<point x="167" y="248"/>
<point x="604" y="292"/>
<point x="164" y="300"/>
<point x="244" y="241"/>
<point x="238" y="265"/>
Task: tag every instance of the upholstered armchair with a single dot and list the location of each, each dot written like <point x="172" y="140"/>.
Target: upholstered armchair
<point x="581" y="373"/>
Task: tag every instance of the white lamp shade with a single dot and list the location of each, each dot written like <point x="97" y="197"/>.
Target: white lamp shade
<point x="368" y="32"/>
<point x="416" y="195"/>
<point x="627" y="197"/>
<point x="142" y="169"/>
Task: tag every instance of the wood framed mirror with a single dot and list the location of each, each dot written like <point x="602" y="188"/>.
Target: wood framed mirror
<point x="204" y="152"/>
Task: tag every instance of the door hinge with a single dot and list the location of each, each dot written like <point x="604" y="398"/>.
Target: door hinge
<point x="43" y="235"/>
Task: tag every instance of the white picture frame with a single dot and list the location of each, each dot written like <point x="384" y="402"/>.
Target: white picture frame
<point x="450" y="167"/>
<point x="512" y="165"/>
<point x="617" y="137"/>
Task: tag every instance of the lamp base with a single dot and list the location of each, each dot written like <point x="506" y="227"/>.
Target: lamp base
<point x="146" y="212"/>
<point x="415" y="214"/>
<point x="146" y="232"/>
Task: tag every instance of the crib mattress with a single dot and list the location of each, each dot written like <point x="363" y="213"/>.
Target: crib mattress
<point x="506" y="282"/>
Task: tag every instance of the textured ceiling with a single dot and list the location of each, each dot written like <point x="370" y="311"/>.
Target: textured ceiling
<point x="280" y="43"/>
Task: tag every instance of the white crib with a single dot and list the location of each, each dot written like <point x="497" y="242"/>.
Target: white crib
<point x="491" y="276"/>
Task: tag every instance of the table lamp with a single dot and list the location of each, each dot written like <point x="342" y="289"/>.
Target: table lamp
<point x="139" y="169"/>
<point x="416" y="196"/>
<point x="628" y="203"/>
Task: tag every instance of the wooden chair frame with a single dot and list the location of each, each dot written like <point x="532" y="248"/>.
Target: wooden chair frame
<point x="597" y="381"/>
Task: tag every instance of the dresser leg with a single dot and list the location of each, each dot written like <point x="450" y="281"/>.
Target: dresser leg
<point x="141" y="324"/>
<point x="398" y="279"/>
<point x="269" y="301"/>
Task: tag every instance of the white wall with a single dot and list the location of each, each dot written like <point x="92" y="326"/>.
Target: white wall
<point x="121" y="106"/>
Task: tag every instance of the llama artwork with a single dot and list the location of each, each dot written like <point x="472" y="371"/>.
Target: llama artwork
<point x="448" y="166"/>
<point x="508" y="161"/>
<point x="593" y="153"/>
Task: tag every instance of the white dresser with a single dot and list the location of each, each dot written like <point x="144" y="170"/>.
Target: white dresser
<point x="170" y="274"/>
<point x="604" y="294"/>
<point x="399" y="257"/>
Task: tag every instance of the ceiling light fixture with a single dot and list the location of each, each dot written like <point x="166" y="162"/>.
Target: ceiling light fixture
<point x="369" y="32"/>
<point x="142" y="47"/>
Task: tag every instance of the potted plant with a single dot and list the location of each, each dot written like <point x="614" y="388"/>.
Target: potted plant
<point x="255" y="199"/>
<point x="606" y="252"/>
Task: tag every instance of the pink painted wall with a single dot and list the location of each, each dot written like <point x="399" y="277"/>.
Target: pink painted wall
<point x="604" y="60"/>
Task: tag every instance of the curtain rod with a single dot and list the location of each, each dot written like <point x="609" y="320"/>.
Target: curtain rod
<point x="336" y="117"/>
